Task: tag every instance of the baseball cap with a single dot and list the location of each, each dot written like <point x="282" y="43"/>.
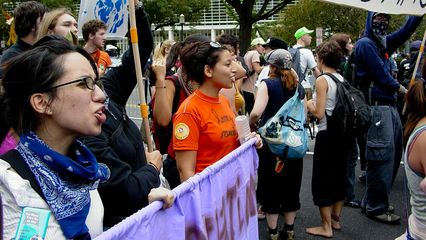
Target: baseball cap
<point x="302" y="31"/>
<point x="275" y="43"/>
<point x="280" y="58"/>
<point x="257" y="41"/>
<point x="415" y="46"/>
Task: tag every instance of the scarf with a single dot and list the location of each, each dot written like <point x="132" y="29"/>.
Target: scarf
<point x="65" y="182"/>
<point x="379" y="30"/>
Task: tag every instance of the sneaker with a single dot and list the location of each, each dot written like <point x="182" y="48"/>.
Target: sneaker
<point x="353" y="204"/>
<point x="260" y="214"/>
<point x="273" y="236"/>
<point x="386" y="217"/>
<point x="361" y="178"/>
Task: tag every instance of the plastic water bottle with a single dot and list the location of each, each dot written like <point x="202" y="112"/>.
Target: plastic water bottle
<point x="243" y="128"/>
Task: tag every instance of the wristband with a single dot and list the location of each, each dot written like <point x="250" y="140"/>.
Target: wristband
<point x="160" y="87"/>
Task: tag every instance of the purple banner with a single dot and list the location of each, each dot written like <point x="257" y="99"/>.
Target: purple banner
<point x="218" y="203"/>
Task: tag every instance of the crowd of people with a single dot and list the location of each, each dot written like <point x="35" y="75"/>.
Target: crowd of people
<point x="66" y="136"/>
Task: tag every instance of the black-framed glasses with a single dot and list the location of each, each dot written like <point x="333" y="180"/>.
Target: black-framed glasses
<point x="88" y="81"/>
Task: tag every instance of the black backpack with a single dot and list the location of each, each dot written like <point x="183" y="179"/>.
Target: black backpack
<point x="295" y="54"/>
<point x="351" y="114"/>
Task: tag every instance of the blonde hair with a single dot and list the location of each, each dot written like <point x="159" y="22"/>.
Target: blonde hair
<point x="160" y="49"/>
<point x="50" y="20"/>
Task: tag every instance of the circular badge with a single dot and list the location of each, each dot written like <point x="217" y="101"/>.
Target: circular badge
<point x="181" y="131"/>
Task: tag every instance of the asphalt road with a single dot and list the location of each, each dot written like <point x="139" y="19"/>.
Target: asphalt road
<point x="355" y="225"/>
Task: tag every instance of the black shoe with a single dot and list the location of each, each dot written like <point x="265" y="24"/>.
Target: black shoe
<point x="386" y="217"/>
<point x="353" y="204"/>
<point x="285" y="234"/>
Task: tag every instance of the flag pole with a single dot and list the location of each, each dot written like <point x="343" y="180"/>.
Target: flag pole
<point x="422" y="47"/>
<point x="143" y="106"/>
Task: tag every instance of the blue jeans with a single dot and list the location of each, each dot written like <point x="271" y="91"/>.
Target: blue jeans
<point x="383" y="154"/>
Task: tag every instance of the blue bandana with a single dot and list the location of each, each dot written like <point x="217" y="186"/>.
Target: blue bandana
<point x="64" y="181"/>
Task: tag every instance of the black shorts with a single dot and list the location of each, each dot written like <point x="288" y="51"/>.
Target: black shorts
<point x="278" y="192"/>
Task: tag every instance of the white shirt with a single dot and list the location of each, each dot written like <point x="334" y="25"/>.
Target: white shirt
<point x="264" y="74"/>
<point x="307" y="62"/>
<point x="17" y="193"/>
<point x="251" y="57"/>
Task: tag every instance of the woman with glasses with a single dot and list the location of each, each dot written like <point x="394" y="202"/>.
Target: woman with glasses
<point x="50" y="104"/>
<point x="134" y="172"/>
<point x="205" y="118"/>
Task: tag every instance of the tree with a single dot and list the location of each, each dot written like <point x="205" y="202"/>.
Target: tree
<point x="166" y="12"/>
<point x="331" y="17"/>
<point x="312" y="14"/>
<point x="246" y="16"/>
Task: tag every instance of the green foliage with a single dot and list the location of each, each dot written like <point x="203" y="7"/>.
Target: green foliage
<point x="312" y="14"/>
<point x="166" y="12"/>
<point x="331" y="17"/>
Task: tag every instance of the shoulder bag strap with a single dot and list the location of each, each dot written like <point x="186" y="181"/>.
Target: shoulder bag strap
<point x="20" y="166"/>
<point x="335" y="79"/>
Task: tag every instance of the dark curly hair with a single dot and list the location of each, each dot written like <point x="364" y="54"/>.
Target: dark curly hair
<point x="329" y="53"/>
<point x="92" y="27"/>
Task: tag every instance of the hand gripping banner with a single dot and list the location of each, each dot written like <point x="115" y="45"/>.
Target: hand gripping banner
<point x="218" y="203"/>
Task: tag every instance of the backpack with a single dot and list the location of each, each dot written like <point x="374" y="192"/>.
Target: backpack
<point x="351" y="114"/>
<point x="295" y="54"/>
<point x="163" y="135"/>
<point x="285" y="133"/>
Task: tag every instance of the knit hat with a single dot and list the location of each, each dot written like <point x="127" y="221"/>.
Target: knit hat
<point x="415" y="46"/>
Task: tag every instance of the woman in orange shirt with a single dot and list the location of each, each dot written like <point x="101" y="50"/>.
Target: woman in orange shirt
<point x="204" y="126"/>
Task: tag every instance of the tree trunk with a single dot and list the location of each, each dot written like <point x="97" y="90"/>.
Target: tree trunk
<point x="246" y="23"/>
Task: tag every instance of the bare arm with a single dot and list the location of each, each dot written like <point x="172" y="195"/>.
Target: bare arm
<point x="262" y="98"/>
<point x="185" y="161"/>
<point x="164" y="94"/>
<point x="417" y="158"/>
<point x="318" y="108"/>
<point x="256" y="67"/>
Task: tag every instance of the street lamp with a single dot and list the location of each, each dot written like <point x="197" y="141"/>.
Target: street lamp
<point x="153" y="31"/>
<point x="181" y="22"/>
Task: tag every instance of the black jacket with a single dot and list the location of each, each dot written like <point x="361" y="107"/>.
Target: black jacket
<point x="16" y="49"/>
<point x="120" y="145"/>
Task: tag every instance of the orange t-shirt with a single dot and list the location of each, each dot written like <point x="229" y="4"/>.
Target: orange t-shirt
<point x="206" y="125"/>
<point x="102" y="59"/>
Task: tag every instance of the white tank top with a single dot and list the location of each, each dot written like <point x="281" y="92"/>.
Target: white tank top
<point x="330" y="101"/>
